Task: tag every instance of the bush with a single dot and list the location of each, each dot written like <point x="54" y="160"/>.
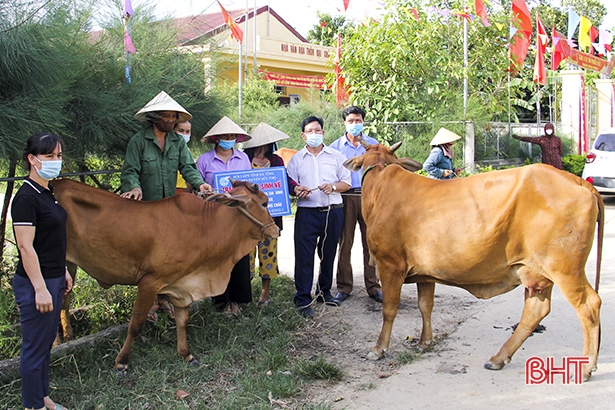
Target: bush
<point x="574" y="163"/>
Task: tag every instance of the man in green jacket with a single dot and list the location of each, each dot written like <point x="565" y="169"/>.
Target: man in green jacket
<point x="156" y="153"/>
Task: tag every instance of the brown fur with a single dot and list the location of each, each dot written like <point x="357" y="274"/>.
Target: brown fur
<point x="489" y="233"/>
<point x="182" y="247"/>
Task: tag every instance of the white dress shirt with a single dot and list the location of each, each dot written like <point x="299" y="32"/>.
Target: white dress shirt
<point x="327" y="167"/>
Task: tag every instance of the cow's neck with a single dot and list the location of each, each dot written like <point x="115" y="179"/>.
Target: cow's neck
<point x="370" y="169"/>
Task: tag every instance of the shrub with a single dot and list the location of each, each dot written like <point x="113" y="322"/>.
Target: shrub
<point x="574" y="163"/>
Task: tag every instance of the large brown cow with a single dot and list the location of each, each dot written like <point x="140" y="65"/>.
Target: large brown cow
<point x="182" y="247"/>
<point x="489" y="233"/>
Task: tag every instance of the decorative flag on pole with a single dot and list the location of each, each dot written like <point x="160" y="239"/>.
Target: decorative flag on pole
<point x="129" y="48"/>
<point x="585" y="41"/>
<point x="573" y="22"/>
<point x="236" y="32"/>
<point x="346" y="3"/>
<point x="561" y="49"/>
<point x="340" y="93"/>
<point x="128" y="8"/>
<point x="606" y="39"/>
<point x="481" y="12"/>
<point x="520" y="41"/>
<point x="542" y="39"/>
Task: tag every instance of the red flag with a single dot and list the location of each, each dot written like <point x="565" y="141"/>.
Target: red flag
<point x="346" y="3"/>
<point x="542" y="39"/>
<point x="481" y="12"/>
<point x="520" y="41"/>
<point x="236" y="32"/>
<point x="340" y="93"/>
<point x="561" y="49"/>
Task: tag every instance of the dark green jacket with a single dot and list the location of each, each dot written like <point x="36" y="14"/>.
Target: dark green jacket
<point x="155" y="172"/>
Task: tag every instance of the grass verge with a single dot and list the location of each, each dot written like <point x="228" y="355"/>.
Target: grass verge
<point x="245" y="363"/>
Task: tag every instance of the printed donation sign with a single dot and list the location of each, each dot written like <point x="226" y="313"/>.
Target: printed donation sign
<point x="272" y="181"/>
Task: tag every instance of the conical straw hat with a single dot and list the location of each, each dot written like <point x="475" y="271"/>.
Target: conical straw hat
<point x="265" y="134"/>
<point x="226" y="126"/>
<point x="444" y="136"/>
<point x="163" y="102"/>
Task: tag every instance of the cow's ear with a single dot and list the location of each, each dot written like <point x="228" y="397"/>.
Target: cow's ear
<point x="354" y="164"/>
<point x="410" y="164"/>
<point x="227" y="200"/>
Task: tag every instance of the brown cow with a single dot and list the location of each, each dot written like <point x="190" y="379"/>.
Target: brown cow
<point x="488" y="233"/>
<point x="119" y="241"/>
<point x="286" y="154"/>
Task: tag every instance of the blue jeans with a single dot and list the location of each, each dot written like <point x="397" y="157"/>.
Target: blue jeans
<point x="319" y="231"/>
<point x="38" y="331"/>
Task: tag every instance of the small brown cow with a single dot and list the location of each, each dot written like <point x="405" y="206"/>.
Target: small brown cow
<point x="488" y="233"/>
<point x="120" y="241"/>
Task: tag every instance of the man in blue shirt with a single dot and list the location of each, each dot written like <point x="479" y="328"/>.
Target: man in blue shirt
<point x="350" y="146"/>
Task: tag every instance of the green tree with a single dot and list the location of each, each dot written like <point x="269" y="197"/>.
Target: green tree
<point x="594" y="10"/>
<point x="57" y="76"/>
<point x="328" y="27"/>
<point x="404" y="69"/>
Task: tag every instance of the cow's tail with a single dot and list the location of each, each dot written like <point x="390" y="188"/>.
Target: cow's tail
<point x="600" y="239"/>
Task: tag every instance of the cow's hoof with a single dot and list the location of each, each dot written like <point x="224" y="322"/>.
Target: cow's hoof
<point x="374" y="356"/>
<point x="194" y="362"/>
<point x="121" y="373"/>
<point x="489" y="365"/>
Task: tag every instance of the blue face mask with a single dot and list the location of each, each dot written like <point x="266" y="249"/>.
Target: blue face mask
<point x="227" y="144"/>
<point x="354" y="129"/>
<point x="49" y="169"/>
<point x="314" y="140"/>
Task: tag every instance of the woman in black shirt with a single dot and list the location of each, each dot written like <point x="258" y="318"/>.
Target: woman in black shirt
<point x="41" y="279"/>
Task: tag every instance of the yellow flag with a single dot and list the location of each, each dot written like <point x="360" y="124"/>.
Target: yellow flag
<point x="584" y="39"/>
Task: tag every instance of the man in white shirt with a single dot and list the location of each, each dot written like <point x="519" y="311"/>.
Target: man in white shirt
<point x="321" y="177"/>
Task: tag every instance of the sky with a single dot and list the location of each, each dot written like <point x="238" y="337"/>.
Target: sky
<point x="301" y="14"/>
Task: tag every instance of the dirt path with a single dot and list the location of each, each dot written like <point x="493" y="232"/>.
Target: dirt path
<point x="469" y="332"/>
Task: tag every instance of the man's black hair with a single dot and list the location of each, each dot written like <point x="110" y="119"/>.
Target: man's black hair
<point x="353" y="109"/>
<point x="310" y="119"/>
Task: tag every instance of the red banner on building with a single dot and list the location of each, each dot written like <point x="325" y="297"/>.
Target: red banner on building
<point x="296" y="80"/>
<point x="591" y="62"/>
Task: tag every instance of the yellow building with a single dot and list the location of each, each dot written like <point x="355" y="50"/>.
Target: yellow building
<point x="282" y="54"/>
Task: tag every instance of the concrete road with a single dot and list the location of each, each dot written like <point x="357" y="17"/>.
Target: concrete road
<point x="453" y="376"/>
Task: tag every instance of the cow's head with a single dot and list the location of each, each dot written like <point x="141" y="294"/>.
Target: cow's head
<point x="252" y="202"/>
<point x="379" y="154"/>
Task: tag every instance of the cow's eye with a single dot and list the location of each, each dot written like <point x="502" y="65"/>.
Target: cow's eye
<point x="265" y="204"/>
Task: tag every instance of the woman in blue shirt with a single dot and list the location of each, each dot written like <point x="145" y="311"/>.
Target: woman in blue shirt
<point x="439" y="164"/>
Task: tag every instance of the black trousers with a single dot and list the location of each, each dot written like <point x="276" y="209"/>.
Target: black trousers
<point x="239" y="289"/>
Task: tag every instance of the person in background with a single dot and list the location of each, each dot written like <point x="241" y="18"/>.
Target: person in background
<point x="550" y="146"/>
<point x="41" y="279"/>
<point x="321" y="177"/>
<point x="153" y="158"/>
<point x="184" y="129"/>
<point x="350" y="146"/>
<point x="226" y="157"/>
<point x="439" y="163"/>
<point x="260" y="152"/>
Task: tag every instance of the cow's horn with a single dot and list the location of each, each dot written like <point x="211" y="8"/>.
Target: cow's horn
<point x="364" y="143"/>
<point x="395" y="146"/>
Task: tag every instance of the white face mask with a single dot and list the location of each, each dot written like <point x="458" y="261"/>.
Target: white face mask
<point x="314" y="140"/>
<point x="49" y="169"/>
<point x="186" y="137"/>
<point x="549" y="132"/>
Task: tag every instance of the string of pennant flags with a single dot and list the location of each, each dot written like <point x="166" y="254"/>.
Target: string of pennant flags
<point x="593" y="43"/>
